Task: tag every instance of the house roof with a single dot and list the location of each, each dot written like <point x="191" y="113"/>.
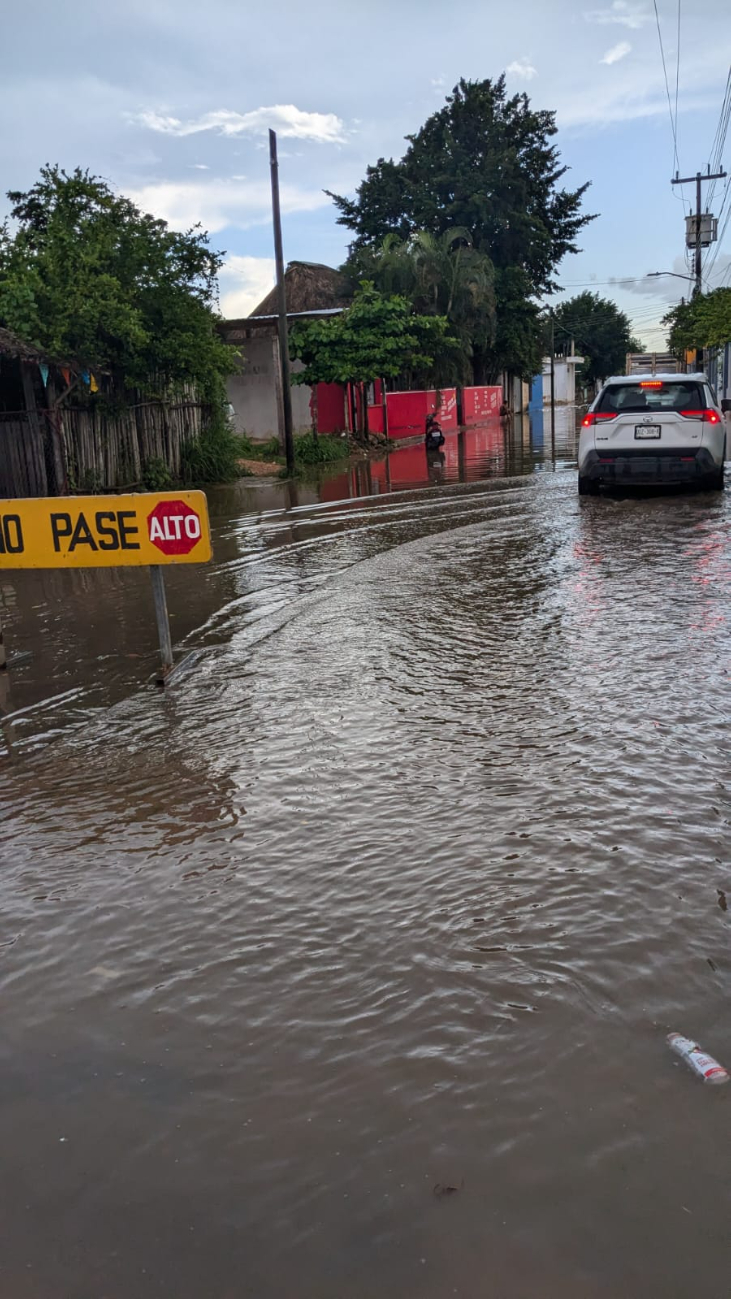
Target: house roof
<point x="11" y="345"/>
<point x="310" y="286"/>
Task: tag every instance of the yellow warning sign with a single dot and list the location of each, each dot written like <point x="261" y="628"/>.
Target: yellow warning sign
<point x="105" y="531"/>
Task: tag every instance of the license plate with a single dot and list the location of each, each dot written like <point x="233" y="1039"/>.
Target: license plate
<point x="647" y="431"/>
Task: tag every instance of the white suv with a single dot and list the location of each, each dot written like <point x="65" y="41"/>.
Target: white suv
<point x="653" y="428"/>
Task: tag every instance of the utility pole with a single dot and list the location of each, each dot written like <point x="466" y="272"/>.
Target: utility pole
<point x="287" y="437"/>
<point x="699" y="178"/>
<point x="553" y="378"/>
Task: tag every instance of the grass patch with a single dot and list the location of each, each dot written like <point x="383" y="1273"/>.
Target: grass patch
<point x="309" y="451"/>
<point x="248" y="450"/>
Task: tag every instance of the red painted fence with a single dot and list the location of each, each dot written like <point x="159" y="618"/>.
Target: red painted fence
<point x="375" y="419"/>
<point x="480" y="404"/>
<point x="406" y="412"/>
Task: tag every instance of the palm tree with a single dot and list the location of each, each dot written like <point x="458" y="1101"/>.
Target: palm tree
<point x="441" y="275"/>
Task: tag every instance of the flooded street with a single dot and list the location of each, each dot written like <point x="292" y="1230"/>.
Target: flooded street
<point x="344" y="967"/>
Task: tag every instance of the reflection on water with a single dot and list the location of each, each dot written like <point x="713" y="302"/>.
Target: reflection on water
<point x="399" y="890"/>
<point x="91" y="634"/>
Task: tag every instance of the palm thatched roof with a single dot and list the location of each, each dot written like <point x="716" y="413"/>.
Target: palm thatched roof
<point x="11" y="345"/>
<point x="310" y="287"/>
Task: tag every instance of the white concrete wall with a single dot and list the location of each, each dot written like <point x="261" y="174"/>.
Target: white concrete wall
<point x="253" y="392"/>
<point x="564" y="378"/>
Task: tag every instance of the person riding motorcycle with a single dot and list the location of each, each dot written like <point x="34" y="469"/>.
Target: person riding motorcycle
<point x="434" y="438"/>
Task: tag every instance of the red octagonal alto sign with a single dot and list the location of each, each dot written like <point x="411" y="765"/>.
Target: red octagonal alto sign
<point x="174" y="527"/>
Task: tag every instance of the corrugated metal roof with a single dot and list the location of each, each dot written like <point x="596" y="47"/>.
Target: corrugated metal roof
<point x="297" y="315"/>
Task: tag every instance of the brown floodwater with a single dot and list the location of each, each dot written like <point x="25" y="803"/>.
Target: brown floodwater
<point x="343" y="968"/>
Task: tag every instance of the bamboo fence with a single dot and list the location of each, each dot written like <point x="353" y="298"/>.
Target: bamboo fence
<point x="101" y="452"/>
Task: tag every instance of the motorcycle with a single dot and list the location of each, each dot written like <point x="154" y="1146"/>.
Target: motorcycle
<point x="433" y="438"/>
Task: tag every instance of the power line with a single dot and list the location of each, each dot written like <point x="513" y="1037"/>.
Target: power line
<point x="719" y="241"/>
<point x="719" y="139"/>
<point x="577" y="323"/>
<point x="673" y="122"/>
<point x="720" y="238"/>
<point x="677" y="78"/>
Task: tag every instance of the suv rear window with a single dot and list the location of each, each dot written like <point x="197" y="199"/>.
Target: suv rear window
<point x="667" y="395"/>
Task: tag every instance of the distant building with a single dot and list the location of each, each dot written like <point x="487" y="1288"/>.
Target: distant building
<point x="313" y="292"/>
<point x="564" y="379"/>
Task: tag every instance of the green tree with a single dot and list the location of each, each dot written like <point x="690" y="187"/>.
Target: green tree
<point x="84" y="275"/>
<point x="601" y="332"/>
<point x="484" y="162"/>
<point x="705" y="321"/>
<point x="683" y="328"/>
<point x="377" y="337"/>
<point x="441" y="275"/>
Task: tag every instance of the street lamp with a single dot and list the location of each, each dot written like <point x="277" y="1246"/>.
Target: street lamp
<point x="651" y="275"/>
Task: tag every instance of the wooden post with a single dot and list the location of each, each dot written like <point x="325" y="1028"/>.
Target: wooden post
<point x="3" y="656"/>
<point x="54" y="435"/>
<point x="163" y="622"/>
<point x="278" y="390"/>
<point x="288" y="438"/>
<point x="34" y="423"/>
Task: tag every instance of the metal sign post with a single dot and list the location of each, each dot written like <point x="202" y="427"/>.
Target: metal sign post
<point x="163" y="621"/>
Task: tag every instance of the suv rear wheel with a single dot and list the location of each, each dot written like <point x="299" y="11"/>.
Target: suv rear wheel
<point x="588" y="486"/>
<point x="716" y="482"/>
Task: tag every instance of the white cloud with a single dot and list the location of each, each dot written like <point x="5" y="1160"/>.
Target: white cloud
<point x="617" y="52"/>
<point x="200" y="166"/>
<point x="623" y="13"/>
<point x="522" y="68"/>
<point x="219" y="203"/>
<point x="244" y="282"/>
<point x="632" y="94"/>
<point x="285" y="119"/>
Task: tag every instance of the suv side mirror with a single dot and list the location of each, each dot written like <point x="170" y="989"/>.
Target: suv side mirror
<point x="726" y="405"/>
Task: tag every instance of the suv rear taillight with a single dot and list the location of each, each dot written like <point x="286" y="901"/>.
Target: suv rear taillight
<point x="708" y="416"/>
<point x="595" y="416"/>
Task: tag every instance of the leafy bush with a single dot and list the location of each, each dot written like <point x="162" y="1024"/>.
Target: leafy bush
<point x="310" y="450"/>
<point x="156" y="476"/>
<point x="214" y="456"/>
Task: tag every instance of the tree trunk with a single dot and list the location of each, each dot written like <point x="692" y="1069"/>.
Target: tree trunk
<point x="448" y="312"/>
<point x="479" y="367"/>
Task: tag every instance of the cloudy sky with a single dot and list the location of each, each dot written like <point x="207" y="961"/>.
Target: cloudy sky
<point x="171" y="103"/>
